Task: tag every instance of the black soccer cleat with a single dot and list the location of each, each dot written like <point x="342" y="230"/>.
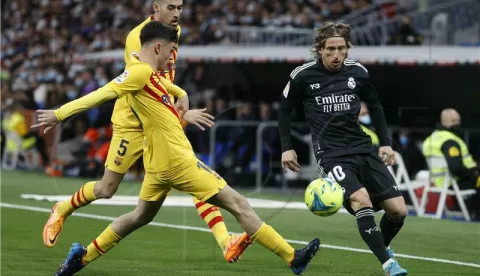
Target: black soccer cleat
<point x="303" y="256"/>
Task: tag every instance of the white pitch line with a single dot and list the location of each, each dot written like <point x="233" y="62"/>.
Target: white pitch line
<point x="202" y="229"/>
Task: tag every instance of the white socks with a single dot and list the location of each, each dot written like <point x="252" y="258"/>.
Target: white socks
<point x="387" y="263"/>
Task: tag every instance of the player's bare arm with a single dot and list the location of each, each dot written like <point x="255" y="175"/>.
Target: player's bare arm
<point x="50" y="118"/>
<point x="182" y="105"/>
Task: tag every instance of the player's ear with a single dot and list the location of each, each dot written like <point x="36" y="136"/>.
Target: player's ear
<point x="158" y="48"/>
<point x="156" y="8"/>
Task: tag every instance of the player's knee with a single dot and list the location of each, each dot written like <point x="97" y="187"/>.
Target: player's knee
<point x="360" y="199"/>
<point x="398" y="212"/>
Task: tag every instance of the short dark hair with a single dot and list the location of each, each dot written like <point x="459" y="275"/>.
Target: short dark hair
<point x="157" y="30"/>
<point x="328" y="30"/>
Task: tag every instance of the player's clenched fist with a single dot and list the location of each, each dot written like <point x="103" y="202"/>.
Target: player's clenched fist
<point x="289" y="161"/>
<point x="387" y="155"/>
<point x="46" y="118"/>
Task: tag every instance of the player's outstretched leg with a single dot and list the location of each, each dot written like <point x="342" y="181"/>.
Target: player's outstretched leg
<point x="231" y="245"/>
<point x="79" y="256"/>
<point x="262" y="233"/>
<point x="392" y="221"/>
<point x="91" y="191"/>
<point x="370" y="233"/>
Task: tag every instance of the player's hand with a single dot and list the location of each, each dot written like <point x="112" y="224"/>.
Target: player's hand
<point x="289" y="161"/>
<point x="199" y="118"/>
<point x="47" y="119"/>
<point x="387" y="155"/>
<point x="182" y="105"/>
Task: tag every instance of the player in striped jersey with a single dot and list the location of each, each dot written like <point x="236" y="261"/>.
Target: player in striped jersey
<point x="170" y="162"/>
<point x="127" y="145"/>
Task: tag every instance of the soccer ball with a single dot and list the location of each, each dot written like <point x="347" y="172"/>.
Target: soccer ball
<point x="324" y="197"/>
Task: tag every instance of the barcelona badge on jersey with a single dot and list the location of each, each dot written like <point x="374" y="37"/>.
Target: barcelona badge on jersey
<point x="118" y="161"/>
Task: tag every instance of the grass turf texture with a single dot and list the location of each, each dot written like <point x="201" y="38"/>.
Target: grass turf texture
<point x="161" y="251"/>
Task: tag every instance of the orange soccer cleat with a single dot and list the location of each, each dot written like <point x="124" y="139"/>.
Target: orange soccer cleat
<point x="236" y="246"/>
<point x="53" y="227"/>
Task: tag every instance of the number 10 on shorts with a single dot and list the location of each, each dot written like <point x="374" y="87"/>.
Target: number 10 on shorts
<point x="337" y="173"/>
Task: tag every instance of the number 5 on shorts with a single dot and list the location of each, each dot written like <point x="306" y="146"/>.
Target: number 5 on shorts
<point x="123" y="147"/>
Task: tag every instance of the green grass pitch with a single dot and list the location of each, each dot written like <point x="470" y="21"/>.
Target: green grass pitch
<point x="157" y="250"/>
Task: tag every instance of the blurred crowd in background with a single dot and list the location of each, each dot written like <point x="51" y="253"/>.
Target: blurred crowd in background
<point x="40" y="39"/>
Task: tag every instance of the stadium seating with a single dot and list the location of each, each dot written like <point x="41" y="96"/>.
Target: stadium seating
<point x="404" y="182"/>
<point x="440" y="162"/>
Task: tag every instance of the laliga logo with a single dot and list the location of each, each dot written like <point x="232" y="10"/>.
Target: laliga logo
<point x="351" y="83"/>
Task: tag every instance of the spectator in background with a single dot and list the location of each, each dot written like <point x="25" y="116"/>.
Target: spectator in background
<point x="15" y="122"/>
<point x="411" y="154"/>
<point x="202" y="143"/>
<point x="366" y="122"/>
<point x="412" y="157"/>
<point x="447" y="142"/>
<point x="337" y="9"/>
<point x="356" y="5"/>
<point x="222" y="113"/>
<point x="243" y="138"/>
<point x="270" y="134"/>
<point x="407" y="33"/>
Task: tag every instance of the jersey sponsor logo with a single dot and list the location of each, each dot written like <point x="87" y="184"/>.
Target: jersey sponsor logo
<point x="120" y="79"/>
<point x="351" y="83"/>
<point x="335" y="103"/>
<point x="315" y="86"/>
<point x="454" y="152"/>
<point x="286" y="89"/>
